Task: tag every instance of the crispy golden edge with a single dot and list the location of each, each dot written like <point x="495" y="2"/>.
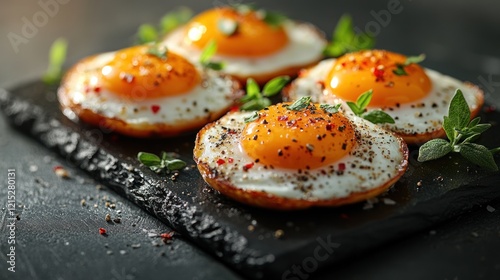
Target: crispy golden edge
<point x="266" y="200"/>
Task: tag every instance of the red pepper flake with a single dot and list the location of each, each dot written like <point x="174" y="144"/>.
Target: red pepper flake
<point x="102" y="231"/>
<point x="379" y="72"/>
<point x="329" y="126"/>
<point x="97" y="89"/>
<point x="230" y="160"/>
<point x="282" y="118"/>
<point x="220" y="161"/>
<point x="341" y="166"/>
<point x="167" y="235"/>
<point x="155" y="108"/>
<point x="235" y="109"/>
<point x="320" y="83"/>
<point x="248" y="166"/>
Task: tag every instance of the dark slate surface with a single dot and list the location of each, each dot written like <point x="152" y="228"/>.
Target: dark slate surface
<point x="57" y="236"/>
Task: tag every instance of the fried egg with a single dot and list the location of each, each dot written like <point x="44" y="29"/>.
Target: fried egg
<point x="287" y="159"/>
<point x="141" y="94"/>
<point x="248" y="45"/>
<point x="417" y="100"/>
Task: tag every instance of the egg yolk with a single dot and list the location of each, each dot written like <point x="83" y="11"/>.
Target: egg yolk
<point x="355" y="73"/>
<point x="305" y="139"/>
<point x="136" y="73"/>
<point x="251" y="36"/>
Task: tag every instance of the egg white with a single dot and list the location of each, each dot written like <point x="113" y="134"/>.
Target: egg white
<point x="306" y="45"/>
<point x="213" y="96"/>
<point x="377" y="158"/>
<point x="420" y="117"/>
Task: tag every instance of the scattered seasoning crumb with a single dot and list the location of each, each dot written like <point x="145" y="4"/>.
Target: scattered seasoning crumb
<point x="279" y="233"/>
<point x="475" y="234"/>
<point x="135" y="246"/>
<point x="134" y="225"/>
<point x="102" y="231"/>
<point x="251" y="228"/>
<point x="490" y="208"/>
<point x="109" y="252"/>
<point x="112" y="206"/>
<point x="98" y="187"/>
<point x="167" y="235"/>
<point x="118" y="212"/>
<point x="419" y="183"/>
<point x="432" y="232"/>
<point x="66" y="243"/>
<point x="95" y="205"/>
<point x="18" y="217"/>
<point x="107" y="204"/>
<point x="123" y="252"/>
<point x="108" y="218"/>
<point x="83" y="202"/>
<point x="162" y="253"/>
<point x="61" y="172"/>
<point x="33" y="168"/>
<point x="117" y="220"/>
<point x="388" y="201"/>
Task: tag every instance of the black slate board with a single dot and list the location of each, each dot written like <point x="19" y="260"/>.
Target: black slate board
<point x="448" y="188"/>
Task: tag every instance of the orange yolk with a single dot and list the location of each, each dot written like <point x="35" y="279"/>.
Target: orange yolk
<point x="305" y="139"/>
<point x="135" y="73"/>
<point x="252" y="37"/>
<point x="355" y="73"/>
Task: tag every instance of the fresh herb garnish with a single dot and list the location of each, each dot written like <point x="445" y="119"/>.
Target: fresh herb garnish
<point x="227" y="26"/>
<point x="400" y="68"/>
<point x="158" y="50"/>
<point x="374" y="116"/>
<point x="207" y="54"/>
<point x="255" y="99"/>
<point x="274" y="19"/>
<point x="332" y="109"/>
<point x="300" y="104"/>
<point x="170" y="21"/>
<point x="255" y="115"/>
<point x="57" y="56"/>
<point x="345" y="39"/>
<point x="461" y="132"/>
<point x="167" y="162"/>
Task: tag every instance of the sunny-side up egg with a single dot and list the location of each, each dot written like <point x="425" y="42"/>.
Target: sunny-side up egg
<point x="142" y="94"/>
<point x="417" y="100"/>
<point x="249" y="45"/>
<point x="288" y="159"/>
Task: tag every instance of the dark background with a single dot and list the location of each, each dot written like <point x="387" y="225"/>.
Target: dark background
<point x="57" y="237"/>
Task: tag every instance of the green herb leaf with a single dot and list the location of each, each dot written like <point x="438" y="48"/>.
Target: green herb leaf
<point x="207" y="54"/>
<point x="274" y="19"/>
<point x="57" y="56"/>
<point x="300" y="104"/>
<point x="243" y="9"/>
<point x="414" y="59"/>
<point x="147" y="33"/>
<point x="253" y="89"/>
<point x="345" y="39"/>
<point x="459" y="112"/>
<point x="331" y="109"/>
<point x="227" y="26"/>
<point x="478" y="154"/>
<point x="355" y="109"/>
<point x="434" y="149"/>
<point x="378" y="116"/>
<point x="256" y="104"/>
<point x="400" y="70"/>
<point x="149" y="159"/>
<point x="159" y="51"/>
<point x="174" y="19"/>
<point x="167" y="162"/>
<point x="175" y="164"/>
<point x="275" y="85"/>
<point x="461" y="132"/>
<point x="254" y="116"/>
<point x="364" y="99"/>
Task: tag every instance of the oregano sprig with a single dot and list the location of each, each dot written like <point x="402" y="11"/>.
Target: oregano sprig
<point x="400" y="67"/>
<point x="345" y="39"/>
<point x="305" y="102"/>
<point x="255" y="99"/>
<point x="461" y="132"/>
<point x="167" y="162"/>
<point x="374" y="116"/>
